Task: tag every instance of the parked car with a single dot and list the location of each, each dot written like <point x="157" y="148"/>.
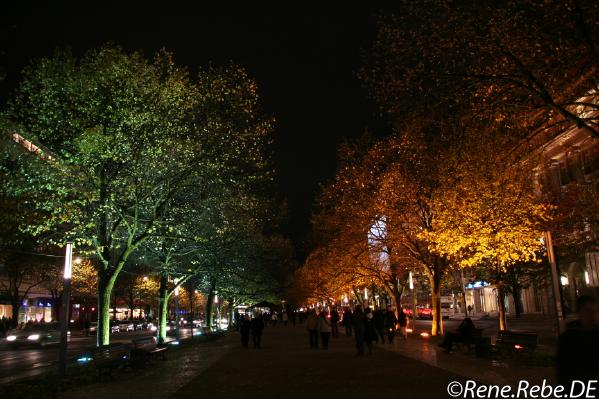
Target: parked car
<point x="424" y="313"/>
<point x="126" y="325"/>
<point x="115" y="326"/>
<point x="38" y="334"/>
<point x="139" y="325"/>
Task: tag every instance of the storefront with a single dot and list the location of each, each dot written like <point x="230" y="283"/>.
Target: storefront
<point x="35" y="310"/>
<point x="481" y="297"/>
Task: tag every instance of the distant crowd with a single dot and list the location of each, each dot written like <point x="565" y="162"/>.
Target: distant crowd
<point x="365" y="325"/>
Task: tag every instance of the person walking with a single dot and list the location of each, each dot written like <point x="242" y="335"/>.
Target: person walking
<point x="285" y="318"/>
<point x="358" y="326"/>
<point x="347" y="321"/>
<point x="403" y="323"/>
<point x="335" y="323"/>
<point x="370" y="333"/>
<point x="379" y="325"/>
<point x="578" y="346"/>
<point x="312" y="328"/>
<point x="244" y="329"/>
<point x="324" y="328"/>
<point x="257" y="327"/>
<point x="274" y="318"/>
<point x="391" y="323"/>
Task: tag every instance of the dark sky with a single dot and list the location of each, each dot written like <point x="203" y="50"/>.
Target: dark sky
<point x="303" y="56"/>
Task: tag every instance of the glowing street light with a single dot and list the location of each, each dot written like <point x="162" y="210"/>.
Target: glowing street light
<point x="64" y="316"/>
<point x="414" y="299"/>
<point x="176" y="311"/>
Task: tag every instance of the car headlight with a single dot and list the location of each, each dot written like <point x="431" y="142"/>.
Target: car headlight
<point x="153" y="328"/>
<point x="11" y="337"/>
<point x="33" y="337"/>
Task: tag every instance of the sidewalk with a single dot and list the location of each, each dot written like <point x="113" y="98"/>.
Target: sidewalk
<point x="489" y="371"/>
<point x="160" y="379"/>
<point x="286" y="368"/>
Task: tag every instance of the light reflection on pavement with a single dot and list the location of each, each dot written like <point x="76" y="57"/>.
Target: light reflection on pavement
<point x="17" y="363"/>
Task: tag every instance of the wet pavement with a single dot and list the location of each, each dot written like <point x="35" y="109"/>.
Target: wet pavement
<point x="286" y="367"/>
<point x="17" y="363"/>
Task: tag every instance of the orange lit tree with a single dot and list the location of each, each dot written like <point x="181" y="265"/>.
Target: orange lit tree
<point x="488" y="214"/>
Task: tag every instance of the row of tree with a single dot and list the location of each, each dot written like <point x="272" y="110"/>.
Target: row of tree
<point x="463" y="86"/>
<point x="140" y="164"/>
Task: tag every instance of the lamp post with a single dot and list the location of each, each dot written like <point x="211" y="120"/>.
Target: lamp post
<point x="177" y="313"/>
<point x="217" y="311"/>
<point x="557" y="295"/>
<point x="414" y="299"/>
<point x="64" y="314"/>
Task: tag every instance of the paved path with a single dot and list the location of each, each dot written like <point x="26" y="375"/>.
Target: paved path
<point x="286" y="368"/>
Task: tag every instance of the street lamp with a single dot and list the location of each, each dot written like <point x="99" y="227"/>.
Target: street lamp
<point x="64" y="314"/>
<point x="217" y="311"/>
<point x="414" y="299"/>
<point x="557" y="295"/>
<point x="177" y="313"/>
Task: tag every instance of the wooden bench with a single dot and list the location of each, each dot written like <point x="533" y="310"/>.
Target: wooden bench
<point x="145" y="349"/>
<point x="110" y="357"/>
<point x="516" y="342"/>
<point x="473" y="340"/>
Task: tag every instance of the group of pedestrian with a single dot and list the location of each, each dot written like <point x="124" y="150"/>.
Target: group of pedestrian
<point x="253" y="326"/>
<point x="367" y="326"/>
<point x="319" y="325"/>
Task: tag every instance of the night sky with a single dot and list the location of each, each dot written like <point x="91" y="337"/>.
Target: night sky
<point x="304" y="58"/>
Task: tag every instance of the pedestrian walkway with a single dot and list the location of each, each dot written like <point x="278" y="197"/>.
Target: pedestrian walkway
<point x="159" y="380"/>
<point x="490" y="371"/>
<point x="286" y="368"/>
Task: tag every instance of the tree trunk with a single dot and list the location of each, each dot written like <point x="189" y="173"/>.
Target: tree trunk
<point x="358" y="297"/>
<point x="191" y="294"/>
<point x="396" y="292"/>
<point x="105" y="285"/>
<point x="210" y="307"/>
<point x="131" y="306"/>
<point x="517" y="295"/>
<point x="16" y="305"/>
<point x="501" y="307"/>
<point x="162" y="308"/>
<point x="437" y="325"/>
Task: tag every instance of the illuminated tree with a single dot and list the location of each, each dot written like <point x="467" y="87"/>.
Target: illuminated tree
<point x="488" y="214"/>
<point x="124" y="138"/>
<point x="508" y="59"/>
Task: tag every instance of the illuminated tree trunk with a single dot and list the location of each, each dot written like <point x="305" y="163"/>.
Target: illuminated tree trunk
<point x="437" y="325"/>
<point x="210" y="307"/>
<point x="162" y="308"/>
<point x="358" y="297"/>
<point x="501" y="307"/>
<point x="231" y="303"/>
<point x="396" y="293"/>
<point x="105" y="285"/>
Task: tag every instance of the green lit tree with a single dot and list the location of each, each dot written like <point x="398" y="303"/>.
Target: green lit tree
<point x="124" y="138"/>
